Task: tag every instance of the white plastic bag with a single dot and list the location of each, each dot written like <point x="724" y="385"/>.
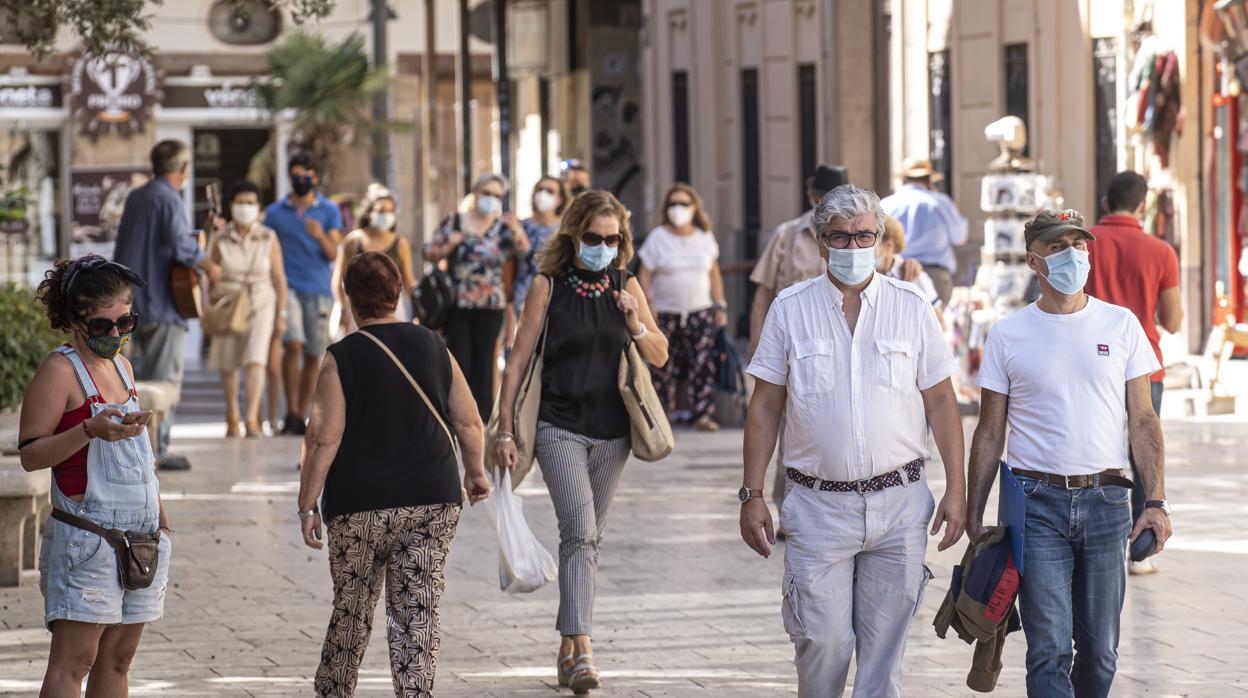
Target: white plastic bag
<point x="523" y="564"/>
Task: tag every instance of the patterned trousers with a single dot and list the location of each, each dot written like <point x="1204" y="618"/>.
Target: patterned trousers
<point x="691" y="359"/>
<point x="406" y="547"/>
<point x="581" y="474"/>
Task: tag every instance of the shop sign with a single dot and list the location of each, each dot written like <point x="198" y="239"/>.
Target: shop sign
<point x="97" y="198"/>
<point x="113" y="92"/>
<point x="220" y="96"/>
<point x="30" y="96"/>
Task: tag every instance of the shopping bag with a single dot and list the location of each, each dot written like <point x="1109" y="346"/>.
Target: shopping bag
<point x="523" y="564"/>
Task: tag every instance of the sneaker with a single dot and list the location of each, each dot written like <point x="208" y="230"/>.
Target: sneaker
<point x="1142" y="567"/>
<point x="173" y="463"/>
<point x="293" y="426"/>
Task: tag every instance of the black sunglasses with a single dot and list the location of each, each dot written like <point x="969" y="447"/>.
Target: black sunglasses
<point x="100" y="326"/>
<point x="93" y="262"/>
<point x="594" y="239"/>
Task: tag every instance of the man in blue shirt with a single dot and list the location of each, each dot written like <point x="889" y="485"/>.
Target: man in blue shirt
<point x="309" y="229"/>
<point x="154" y="233"/>
<point x="932" y="223"/>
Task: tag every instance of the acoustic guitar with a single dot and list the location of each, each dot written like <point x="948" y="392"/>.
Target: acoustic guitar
<point x="184" y="281"/>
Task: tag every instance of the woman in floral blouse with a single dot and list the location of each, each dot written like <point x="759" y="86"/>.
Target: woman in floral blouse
<point x="480" y="246"/>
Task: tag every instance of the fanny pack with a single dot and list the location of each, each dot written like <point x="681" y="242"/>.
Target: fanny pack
<point x="137" y="553"/>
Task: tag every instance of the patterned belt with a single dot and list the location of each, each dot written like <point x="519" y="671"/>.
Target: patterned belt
<point x="913" y="470"/>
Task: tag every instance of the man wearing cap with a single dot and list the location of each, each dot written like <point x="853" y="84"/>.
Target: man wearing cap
<point x="932" y="223"/>
<point x="1070" y="374"/>
<point x="856" y="366"/>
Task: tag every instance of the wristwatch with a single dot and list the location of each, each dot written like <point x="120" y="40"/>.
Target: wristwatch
<point x="1158" y="504"/>
<point x="745" y="494"/>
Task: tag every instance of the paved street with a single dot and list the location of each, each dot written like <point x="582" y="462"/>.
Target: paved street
<point x="684" y="609"/>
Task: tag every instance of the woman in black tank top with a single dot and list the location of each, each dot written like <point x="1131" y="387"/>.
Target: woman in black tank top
<point x="592" y="309"/>
<point x="381" y="450"/>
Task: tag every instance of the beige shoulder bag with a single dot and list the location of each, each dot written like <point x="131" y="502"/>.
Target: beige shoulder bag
<point x="230" y="313"/>
<point x="651" y="432"/>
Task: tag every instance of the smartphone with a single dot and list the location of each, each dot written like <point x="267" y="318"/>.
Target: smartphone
<point x="139" y="417"/>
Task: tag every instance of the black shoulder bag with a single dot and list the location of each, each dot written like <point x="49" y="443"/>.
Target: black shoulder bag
<point x="434" y="298"/>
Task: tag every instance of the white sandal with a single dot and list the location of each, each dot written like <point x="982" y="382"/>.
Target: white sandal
<point x="564" y="670"/>
<point x="584" y="676"/>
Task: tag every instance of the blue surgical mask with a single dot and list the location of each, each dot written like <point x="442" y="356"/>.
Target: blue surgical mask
<point x="1068" y="270"/>
<point x="489" y="205"/>
<point x="852" y="265"/>
<point x="597" y="257"/>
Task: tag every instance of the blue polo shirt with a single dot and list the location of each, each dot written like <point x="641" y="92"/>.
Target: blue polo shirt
<point x="308" y="270"/>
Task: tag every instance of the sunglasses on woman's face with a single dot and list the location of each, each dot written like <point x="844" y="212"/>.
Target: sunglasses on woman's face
<point x="100" y="326"/>
<point x="594" y="239"/>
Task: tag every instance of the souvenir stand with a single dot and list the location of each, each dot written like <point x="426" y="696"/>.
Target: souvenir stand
<point x="1010" y="194"/>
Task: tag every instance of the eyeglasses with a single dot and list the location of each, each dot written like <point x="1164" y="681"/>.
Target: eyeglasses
<point x="100" y="326"/>
<point x="594" y="239"/>
<point x="840" y="239"/>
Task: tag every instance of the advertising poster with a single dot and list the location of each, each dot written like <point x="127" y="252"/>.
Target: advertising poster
<point x="97" y="197"/>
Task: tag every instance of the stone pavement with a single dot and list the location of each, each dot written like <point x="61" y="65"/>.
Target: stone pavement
<point x="684" y="608"/>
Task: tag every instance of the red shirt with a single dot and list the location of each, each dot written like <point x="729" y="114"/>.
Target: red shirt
<point x="1131" y="268"/>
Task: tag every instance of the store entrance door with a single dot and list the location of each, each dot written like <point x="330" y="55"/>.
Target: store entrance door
<point x="223" y="156"/>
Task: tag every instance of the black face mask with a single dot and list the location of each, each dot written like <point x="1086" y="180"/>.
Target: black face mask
<point x="578" y="190"/>
<point x="301" y="184"/>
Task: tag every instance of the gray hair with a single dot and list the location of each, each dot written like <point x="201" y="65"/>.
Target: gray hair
<point x="492" y="177"/>
<point x="169" y="157"/>
<point x="846" y="203"/>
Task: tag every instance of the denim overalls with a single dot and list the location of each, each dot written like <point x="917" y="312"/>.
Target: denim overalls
<point x="78" y="570"/>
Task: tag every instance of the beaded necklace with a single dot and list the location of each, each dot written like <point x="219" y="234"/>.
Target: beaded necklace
<point x="587" y="289"/>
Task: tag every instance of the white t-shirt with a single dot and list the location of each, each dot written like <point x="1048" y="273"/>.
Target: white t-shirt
<point x="681" y="267"/>
<point x="1066" y="376"/>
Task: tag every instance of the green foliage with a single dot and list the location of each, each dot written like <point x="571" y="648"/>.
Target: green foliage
<point x="24" y="342"/>
<point x="327" y="89"/>
<point x="114" y="24"/>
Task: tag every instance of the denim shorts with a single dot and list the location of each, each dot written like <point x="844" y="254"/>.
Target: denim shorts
<point x="79" y="579"/>
<point x="308" y="323"/>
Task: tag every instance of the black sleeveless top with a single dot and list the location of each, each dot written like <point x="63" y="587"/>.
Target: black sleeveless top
<point x="393" y="452"/>
<point x="585" y="338"/>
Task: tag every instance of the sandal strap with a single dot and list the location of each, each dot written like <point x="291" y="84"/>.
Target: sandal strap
<point x="584" y="669"/>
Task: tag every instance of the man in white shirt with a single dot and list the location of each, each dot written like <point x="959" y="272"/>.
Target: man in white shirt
<point x="856" y="364"/>
<point x="1070" y="376"/>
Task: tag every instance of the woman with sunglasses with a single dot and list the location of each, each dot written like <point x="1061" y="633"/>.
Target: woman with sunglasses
<point x="680" y="274"/>
<point x="591" y="309"/>
<point x="477" y="244"/>
<point x="81" y="418"/>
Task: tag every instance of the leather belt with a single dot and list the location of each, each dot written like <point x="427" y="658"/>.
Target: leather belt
<point x="912" y="471"/>
<point x="1113" y="477"/>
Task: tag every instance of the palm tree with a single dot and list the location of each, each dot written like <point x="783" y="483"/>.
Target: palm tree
<point x="327" y="91"/>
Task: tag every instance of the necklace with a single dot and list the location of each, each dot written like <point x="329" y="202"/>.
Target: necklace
<point x="587" y="289"/>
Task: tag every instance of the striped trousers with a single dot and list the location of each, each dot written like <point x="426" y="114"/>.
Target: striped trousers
<point x="582" y="474"/>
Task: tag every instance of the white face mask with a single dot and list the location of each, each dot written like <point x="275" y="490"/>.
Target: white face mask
<point x="852" y="265"/>
<point x="383" y="221"/>
<point x="489" y="205"/>
<point x="544" y="201"/>
<point x="245" y="214"/>
<point x="679" y="214"/>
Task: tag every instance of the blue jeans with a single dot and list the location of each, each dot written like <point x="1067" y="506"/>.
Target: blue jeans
<point x="1073" y="587"/>
<point x="1138" y="494"/>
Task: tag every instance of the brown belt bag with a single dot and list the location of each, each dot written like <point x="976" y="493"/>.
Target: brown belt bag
<point x="137" y="553"/>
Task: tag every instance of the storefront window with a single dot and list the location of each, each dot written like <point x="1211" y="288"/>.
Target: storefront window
<point x="30" y="203"/>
